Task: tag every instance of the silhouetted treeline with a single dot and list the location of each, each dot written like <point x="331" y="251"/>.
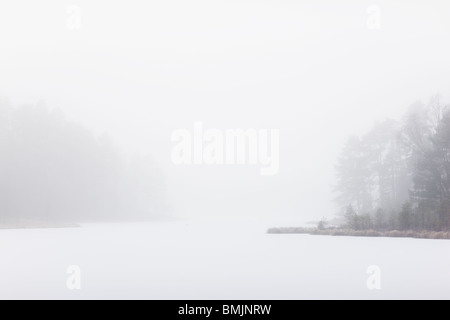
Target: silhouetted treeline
<point x="397" y="176"/>
<point x="55" y="169"/>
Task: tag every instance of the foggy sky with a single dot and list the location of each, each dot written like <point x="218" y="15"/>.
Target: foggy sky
<point x="140" y="70"/>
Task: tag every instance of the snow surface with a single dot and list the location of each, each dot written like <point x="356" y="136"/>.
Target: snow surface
<point x="216" y="260"/>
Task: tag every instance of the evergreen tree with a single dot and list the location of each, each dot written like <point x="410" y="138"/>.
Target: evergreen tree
<point x="396" y="164"/>
<point x="354" y="180"/>
<point x="405" y="217"/>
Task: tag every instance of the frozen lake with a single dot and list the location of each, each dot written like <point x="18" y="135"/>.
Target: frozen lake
<point x="212" y="260"/>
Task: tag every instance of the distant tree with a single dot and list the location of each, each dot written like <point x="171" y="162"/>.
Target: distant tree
<point x="416" y="129"/>
<point x="431" y="174"/>
<point x="401" y="168"/>
<point x="379" y="220"/>
<point x="354" y="180"/>
<point x="55" y="169"/>
<point x="441" y="146"/>
<point x="322" y="224"/>
<point x="392" y="223"/>
<point x="351" y="217"/>
<point x="444" y="215"/>
<point x="405" y="217"/>
<point x="365" y="222"/>
<point x="372" y="170"/>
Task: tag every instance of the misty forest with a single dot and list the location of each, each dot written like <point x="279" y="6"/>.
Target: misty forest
<point x="229" y="150"/>
<point x="55" y="170"/>
<point x="397" y="175"/>
<point x="394" y="177"/>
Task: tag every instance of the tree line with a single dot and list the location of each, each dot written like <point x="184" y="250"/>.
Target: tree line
<point x="397" y="175"/>
<point x="55" y="169"/>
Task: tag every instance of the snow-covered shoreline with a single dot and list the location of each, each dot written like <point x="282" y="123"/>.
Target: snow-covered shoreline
<point x="36" y="225"/>
<point x="417" y="234"/>
<point x="216" y="260"/>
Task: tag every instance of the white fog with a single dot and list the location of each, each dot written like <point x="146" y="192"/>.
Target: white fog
<point x="117" y="152"/>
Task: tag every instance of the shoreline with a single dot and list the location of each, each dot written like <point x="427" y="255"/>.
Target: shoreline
<point x="37" y="225"/>
<point x="443" y="235"/>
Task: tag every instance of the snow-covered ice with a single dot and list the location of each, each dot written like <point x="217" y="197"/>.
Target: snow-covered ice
<point x="216" y="260"/>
